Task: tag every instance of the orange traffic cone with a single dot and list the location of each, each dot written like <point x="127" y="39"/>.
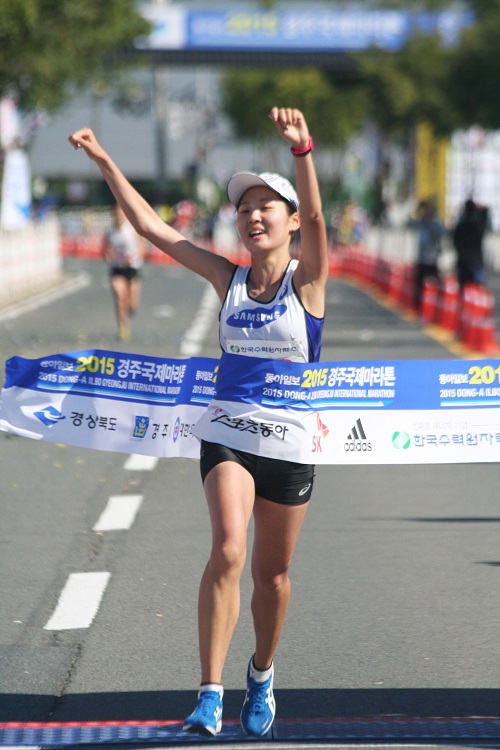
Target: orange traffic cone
<point x="449" y="308"/>
<point x="429" y="304"/>
<point x="488" y="343"/>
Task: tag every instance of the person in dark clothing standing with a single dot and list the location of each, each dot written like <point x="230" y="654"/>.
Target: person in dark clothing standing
<point x="430" y="231"/>
<point x="468" y="238"/>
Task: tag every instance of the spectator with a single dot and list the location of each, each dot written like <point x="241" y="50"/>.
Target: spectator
<point x="468" y="236"/>
<point x="430" y="232"/>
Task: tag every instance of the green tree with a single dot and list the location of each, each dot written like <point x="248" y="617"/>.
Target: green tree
<point x="449" y="87"/>
<point x="47" y="47"/>
<point x="474" y="74"/>
<point x="334" y="111"/>
<point x="409" y="86"/>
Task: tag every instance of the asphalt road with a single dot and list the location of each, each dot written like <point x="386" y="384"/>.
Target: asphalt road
<point x="396" y="578"/>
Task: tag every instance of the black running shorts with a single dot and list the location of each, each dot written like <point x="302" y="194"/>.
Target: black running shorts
<point x="283" y="482"/>
<point x="128" y="272"/>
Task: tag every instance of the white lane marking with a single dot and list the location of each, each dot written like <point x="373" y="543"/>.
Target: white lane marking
<point x="119" y="513"/>
<point x="163" y="311"/>
<point x="195" y="335"/>
<point x="136" y="462"/>
<point x="79" y="601"/>
<point x="69" y="286"/>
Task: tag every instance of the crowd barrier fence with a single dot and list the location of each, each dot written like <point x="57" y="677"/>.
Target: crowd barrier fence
<point x="30" y="260"/>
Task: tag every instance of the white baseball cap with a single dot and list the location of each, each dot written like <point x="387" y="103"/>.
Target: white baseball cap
<point x="243" y="181"/>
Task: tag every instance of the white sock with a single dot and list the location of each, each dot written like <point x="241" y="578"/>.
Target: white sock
<point x="213" y="686"/>
<point x="258" y="675"/>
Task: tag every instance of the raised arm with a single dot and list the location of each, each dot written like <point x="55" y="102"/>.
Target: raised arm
<point x="148" y="224"/>
<point x="312" y="272"/>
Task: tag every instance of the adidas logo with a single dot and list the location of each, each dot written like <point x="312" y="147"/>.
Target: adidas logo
<point x="356" y="439"/>
<point x="357" y="432"/>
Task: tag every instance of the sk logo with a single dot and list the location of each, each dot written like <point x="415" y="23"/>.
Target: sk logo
<point x="322" y="433"/>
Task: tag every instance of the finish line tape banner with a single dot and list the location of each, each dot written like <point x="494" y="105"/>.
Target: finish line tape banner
<point x="373" y="412"/>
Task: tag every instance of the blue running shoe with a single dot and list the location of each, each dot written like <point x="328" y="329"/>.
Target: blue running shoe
<point x="207" y="716"/>
<point x="257" y="714"/>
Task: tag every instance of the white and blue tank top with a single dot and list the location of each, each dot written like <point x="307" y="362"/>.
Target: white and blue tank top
<point x="279" y="329"/>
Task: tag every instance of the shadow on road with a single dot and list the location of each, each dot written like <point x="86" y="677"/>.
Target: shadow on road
<point x="291" y="704"/>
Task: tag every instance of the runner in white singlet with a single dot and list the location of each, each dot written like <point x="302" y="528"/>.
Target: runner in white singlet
<point x="279" y="329"/>
<point x="124" y="251"/>
<point x="276" y="303"/>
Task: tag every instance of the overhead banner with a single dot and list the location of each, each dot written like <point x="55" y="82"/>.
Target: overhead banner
<point x="373" y="412"/>
<point x="246" y="26"/>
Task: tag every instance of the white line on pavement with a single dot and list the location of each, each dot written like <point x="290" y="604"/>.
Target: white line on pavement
<point x="79" y="601"/>
<point x="119" y="513"/>
<point x="136" y="462"/>
<point x="68" y="286"/>
<point x="195" y="335"/>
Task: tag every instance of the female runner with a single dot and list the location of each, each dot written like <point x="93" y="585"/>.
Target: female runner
<point x="238" y="484"/>
<point x="124" y="251"/>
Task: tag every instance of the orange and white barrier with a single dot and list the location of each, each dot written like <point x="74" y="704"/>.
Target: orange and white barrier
<point x="430" y="299"/>
<point x="448" y="312"/>
<point x="468" y="317"/>
<point x="478" y="327"/>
